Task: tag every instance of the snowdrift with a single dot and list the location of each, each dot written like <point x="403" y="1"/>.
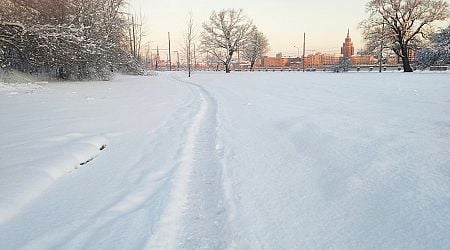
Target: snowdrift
<point x="22" y="183"/>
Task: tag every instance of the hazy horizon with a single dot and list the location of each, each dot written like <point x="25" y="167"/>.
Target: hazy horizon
<point x="325" y="22"/>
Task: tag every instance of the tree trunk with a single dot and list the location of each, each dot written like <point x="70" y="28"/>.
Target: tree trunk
<point x="252" y="64"/>
<point x="189" y="60"/>
<point x="189" y="69"/>
<point x="228" y="62"/>
<point x="405" y="60"/>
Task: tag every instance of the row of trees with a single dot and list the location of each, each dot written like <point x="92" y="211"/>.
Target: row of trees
<point x="226" y="32"/>
<point x="402" y="25"/>
<point x="79" y="39"/>
<point x="69" y="39"/>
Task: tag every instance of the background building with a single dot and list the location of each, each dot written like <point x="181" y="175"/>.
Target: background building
<point x="347" y="47"/>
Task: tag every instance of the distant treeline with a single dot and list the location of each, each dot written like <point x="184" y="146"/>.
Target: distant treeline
<point x="68" y="39"/>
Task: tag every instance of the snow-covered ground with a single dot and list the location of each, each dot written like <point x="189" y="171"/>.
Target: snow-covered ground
<point x="278" y="160"/>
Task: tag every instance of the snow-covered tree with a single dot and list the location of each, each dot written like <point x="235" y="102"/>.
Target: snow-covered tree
<point x="11" y="36"/>
<point x="402" y="24"/>
<point x="224" y="33"/>
<point x="426" y="57"/>
<point x="441" y="42"/>
<point x="438" y="53"/>
<point x="344" y="65"/>
<point x="257" y="46"/>
<point x="76" y="39"/>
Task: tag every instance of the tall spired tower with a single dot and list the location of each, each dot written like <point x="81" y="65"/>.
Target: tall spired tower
<point x="347" y="48"/>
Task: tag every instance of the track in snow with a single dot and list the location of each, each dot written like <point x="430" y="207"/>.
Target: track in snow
<point x="195" y="214"/>
<point x="176" y="202"/>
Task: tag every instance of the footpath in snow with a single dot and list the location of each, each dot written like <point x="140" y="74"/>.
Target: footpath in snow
<point x="271" y="160"/>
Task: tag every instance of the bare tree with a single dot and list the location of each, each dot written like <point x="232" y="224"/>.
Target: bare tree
<point x="406" y="22"/>
<point x="189" y="40"/>
<point x="225" y="31"/>
<point x="257" y="46"/>
<point x="136" y="33"/>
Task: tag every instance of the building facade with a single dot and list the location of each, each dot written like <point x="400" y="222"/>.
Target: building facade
<point x="363" y="60"/>
<point x="320" y="60"/>
<point x="278" y="62"/>
<point x="347" y="48"/>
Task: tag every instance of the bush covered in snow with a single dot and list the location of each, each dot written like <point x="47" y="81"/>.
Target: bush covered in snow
<point x="438" y="53"/>
<point x="65" y="39"/>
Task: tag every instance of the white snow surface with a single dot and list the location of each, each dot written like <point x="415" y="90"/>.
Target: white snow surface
<point x="270" y="160"/>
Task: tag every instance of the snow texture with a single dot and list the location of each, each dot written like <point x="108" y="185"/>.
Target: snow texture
<point x="270" y="160"/>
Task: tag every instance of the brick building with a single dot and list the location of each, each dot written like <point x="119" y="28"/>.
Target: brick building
<point x="278" y="62"/>
<point x="320" y="60"/>
<point x="363" y="60"/>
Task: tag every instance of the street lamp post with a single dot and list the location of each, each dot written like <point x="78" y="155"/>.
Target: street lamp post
<point x="298" y="51"/>
<point x="304" y="48"/>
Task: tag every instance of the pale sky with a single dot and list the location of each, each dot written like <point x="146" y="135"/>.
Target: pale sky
<point x="282" y="21"/>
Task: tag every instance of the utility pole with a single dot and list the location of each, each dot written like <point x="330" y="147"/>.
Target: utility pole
<point x="170" y="57"/>
<point x="380" y="56"/>
<point x="195" y="59"/>
<point x="304" y="48"/>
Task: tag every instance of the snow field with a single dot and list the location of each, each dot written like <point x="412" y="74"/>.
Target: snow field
<point x="270" y="160"/>
<point x="336" y="160"/>
<point x="124" y="179"/>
